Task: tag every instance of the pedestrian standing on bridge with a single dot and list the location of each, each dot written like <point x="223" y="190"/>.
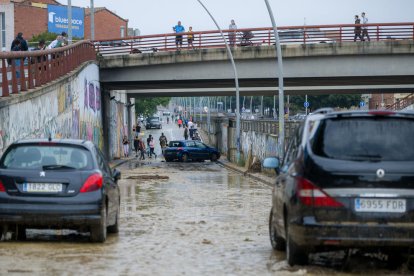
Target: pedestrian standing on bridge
<point x="190" y="38"/>
<point x="179" y="38"/>
<point x="232" y="33"/>
<point x="179" y="122"/>
<point x="357" y="29"/>
<point x="364" y="27"/>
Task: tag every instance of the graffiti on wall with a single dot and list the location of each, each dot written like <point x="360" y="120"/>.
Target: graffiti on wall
<point x="70" y="111"/>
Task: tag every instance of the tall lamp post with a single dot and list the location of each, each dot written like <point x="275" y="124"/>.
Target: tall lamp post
<point x="236" y="80"/>
<point x="69" y="21"/>
<point x="281" y="92"/>
<point x="92" y="21"/>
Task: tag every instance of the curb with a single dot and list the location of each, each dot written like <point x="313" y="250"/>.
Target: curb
<point x="118" y="162"/>
<point x="245" y="173"/>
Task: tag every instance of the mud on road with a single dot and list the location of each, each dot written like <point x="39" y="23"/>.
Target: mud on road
<point x="177" y="219"/>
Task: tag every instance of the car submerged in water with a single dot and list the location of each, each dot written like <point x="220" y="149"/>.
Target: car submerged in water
<point x="187" y="150"/>
<point x="346" y="181"/>
<point x="58" y="184"/>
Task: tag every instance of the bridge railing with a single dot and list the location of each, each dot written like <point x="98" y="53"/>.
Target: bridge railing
<point x="402" y="103"/>
<point x="21" y="71"/>
<point x="310" y="34"/>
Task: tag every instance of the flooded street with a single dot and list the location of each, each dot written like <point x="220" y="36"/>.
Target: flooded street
<point x="176" y="219"/>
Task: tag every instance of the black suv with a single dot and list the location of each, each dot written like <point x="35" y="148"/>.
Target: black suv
<point x="153" y="122"/>
<point x="346" y="181"/>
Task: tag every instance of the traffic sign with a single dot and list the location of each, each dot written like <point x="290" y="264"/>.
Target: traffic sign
<point x="306" y="104"/>
<point x="361" y="104"/>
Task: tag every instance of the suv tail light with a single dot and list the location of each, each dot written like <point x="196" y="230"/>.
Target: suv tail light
<point x="93" y="183"/>
<point x="2" y="188"/>
<point x="180" y="148"/>
<point x="310" y="195"/>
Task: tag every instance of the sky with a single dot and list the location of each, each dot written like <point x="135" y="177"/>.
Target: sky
<point x="159" y="16"/>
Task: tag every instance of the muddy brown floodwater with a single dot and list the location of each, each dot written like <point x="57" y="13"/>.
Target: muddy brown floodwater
<point x="176" y="219"/>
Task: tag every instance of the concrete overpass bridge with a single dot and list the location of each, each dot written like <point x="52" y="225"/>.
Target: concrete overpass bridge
<point x="316" y="59"/>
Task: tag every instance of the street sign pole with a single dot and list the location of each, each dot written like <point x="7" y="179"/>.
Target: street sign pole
<point x="92" y="21"/>
<point x="306" y="106"/>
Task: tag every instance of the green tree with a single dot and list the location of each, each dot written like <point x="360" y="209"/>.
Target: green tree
<point x="147" y="106"/>
<point x="319" y="101"/>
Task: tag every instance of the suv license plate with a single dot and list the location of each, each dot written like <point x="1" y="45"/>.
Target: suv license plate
<point x="42" y="187"/>
<point x="380" y="205"/>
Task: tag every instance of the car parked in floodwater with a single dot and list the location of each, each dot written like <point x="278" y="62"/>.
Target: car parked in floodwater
<point x="58" y="184"/>
<point x="346" y="181"/>
<point x="187" y="150"/>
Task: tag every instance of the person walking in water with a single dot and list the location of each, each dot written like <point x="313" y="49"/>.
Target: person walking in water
<point x="163" y="142"/>
<point x="152" y="148"/>
<point x="186" y="133"/>
<point x="125" y="143"/>
<point x="141" y="146"/>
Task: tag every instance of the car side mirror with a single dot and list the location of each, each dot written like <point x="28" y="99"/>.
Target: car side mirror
<point x="272" y="163"/>
<point x="116" y="174"/>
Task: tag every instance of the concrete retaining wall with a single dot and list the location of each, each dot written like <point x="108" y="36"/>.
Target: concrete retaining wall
<point x="254" y="143"/>
<point x="68" y="108"/>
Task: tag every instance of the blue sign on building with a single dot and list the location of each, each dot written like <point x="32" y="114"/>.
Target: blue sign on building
<point x="58" y="20"/>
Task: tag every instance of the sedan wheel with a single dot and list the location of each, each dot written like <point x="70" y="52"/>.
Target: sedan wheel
<point x="213" y="157"/>
<point x="98" y="232"/>
<point x="185" y="157"/>
<point x="278" y="243"/>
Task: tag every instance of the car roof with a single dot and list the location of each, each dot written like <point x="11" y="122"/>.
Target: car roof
<point x="332" y="114"/>
<point x="77" y="142"/>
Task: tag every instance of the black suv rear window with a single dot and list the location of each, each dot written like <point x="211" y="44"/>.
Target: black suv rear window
<point x="38" y="156"/>
<point x="365" y="139"/>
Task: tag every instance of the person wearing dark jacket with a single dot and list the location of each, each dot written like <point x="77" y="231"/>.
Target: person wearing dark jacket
<point x="23" y="43"/>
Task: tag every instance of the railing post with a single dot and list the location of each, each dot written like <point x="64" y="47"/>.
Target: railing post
<point x="268" y="37"/>
<point x="304" y="36"/>
<point x="378" y="31"/>
<point x="5" y="81"/>
<point x="23" y="75"/>
<point x="199" y="40"/>
<point x="30" y="71"/>
<point x="413" y="33"/>
<point x="165" y="43"/>
<point x="340" y="34"/>
<point x="14" y="77"/>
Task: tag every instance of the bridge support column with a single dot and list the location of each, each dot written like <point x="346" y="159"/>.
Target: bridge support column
<point x="106" y="113"/>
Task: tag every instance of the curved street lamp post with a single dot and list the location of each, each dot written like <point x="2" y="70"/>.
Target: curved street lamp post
<point x="281" y="92"/>
<point x="236" y="80"/>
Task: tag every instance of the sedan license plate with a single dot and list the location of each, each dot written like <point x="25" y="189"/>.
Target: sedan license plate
<point x="42" y="187"/>
<point x="380" y="205"/>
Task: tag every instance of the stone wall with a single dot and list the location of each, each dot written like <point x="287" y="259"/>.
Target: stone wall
<point x="68" y="108"/>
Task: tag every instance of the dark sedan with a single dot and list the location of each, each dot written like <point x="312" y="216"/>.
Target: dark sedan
<point x="58" y="184"/>
<point x="190" y="150"/>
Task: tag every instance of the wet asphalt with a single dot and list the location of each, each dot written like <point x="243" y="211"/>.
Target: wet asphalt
<point x="178" y="219"/>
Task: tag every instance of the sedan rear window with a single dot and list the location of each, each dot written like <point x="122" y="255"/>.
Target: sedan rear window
<point x="50" y="156"/>
<point x="365" y="139"/>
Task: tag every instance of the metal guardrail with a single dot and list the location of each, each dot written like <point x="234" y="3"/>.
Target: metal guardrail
<point x="21" y="71"/>
<point x="310" y="34"/>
